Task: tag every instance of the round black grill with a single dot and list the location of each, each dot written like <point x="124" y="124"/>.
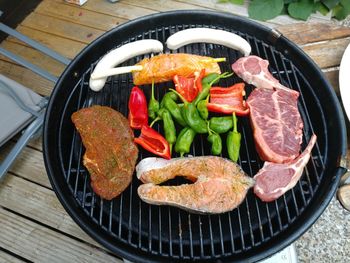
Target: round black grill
<point x="142" y="232"/>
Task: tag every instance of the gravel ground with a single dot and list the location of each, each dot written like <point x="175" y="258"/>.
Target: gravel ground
<point x="328" y="240"/>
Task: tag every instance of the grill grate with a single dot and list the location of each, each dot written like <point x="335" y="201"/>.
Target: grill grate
<point x="171" y="232"/>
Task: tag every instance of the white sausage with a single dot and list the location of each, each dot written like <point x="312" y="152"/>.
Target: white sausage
<point x="208" y="35"/>
<point x="115" y="71"/>
<point x="121" y="54"/>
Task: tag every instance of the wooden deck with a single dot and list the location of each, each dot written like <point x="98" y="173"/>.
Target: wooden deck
<point x="35" y="227"/>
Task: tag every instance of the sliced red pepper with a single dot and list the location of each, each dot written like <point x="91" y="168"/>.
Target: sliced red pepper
<point x="228" y="100"/>
<point x="153" y="142"/>
<point x="189" y="87"/>
<point x="138" y="113"/>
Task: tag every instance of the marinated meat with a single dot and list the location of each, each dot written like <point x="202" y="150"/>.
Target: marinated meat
<point x="277" y="125"/>
<point x="273" y="180"/>
<point x="164" y="67"/>
<point x="219" y="184"/>
<point x="111" y="154"/>
<point x="254" y="70"/>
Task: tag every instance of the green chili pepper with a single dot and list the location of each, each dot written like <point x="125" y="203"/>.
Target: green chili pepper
<point x="207" y="82"/>
<point x="153" y="105"/>
<point x="173" y="108"/>
<point x="184" y="141"/>
<point x="169" y="127"/>
<point x="221" y="124"/>
<point x="168" y="95"/>
<point x="216" y="143"/>
<point x="202" y="108"/>
<point x="233" y="141"/>
<point x="192" y="117"/>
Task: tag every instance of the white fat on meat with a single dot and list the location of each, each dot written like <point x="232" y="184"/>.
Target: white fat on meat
<point x="274" y="179"/>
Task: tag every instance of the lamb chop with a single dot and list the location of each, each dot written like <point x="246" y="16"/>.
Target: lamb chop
<point x="254" y="70"/>
<point x="274" y="179"/>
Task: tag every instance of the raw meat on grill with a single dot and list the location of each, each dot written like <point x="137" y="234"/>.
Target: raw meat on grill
<point x="219" y="184"/>
<point x="254" y="70"/>
<point x="107" y="136"/>
<point x="277" y="125"/>
<point x="274" y="112"/>
<point x="273" y="179"/>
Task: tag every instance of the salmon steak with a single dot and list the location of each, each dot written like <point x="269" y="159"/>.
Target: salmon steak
<point x="164" y="67"/>
<point x="220" y="185"/>
<point x="106" y="135"/>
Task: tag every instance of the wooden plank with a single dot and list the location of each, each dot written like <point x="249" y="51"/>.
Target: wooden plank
<point x="329" y="53"/>
<point x="26" y="77"/>
<point x="31" y="200"/>
<point x="29" y="164"/>
<point x="58" y="27"/>
<point x="78" y="15"/>
<point x="164" y="5"/>
<point x="120" y="9"/>
<point x="33" y="56"/>
<point x="303" y="33"/>
<point x="333" y="77"/>
<point x="40" y="244"/>
<point x="34" y="143"/>
<point x="5" y="257"/>
<point x="65" y="47"/>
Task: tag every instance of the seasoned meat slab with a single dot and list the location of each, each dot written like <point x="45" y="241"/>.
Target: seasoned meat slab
<point x="111" y="154"/>
<point x="219" y="184"/>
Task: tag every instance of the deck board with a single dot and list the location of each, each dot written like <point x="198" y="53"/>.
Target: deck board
<point x="29" y="164"/>
<point x="62" y="28"/>
<point x="76" y="15"/>
<point x="8" y="258"/>
<point x="41" y="244"/>
<point x="64" y="46"/>
<point x="30" y="200"/>
<point x="35" y="225"/>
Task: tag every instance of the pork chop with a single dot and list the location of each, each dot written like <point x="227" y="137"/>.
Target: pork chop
<point x="111" y="154"/>
<point x="273" y="179"/>
<point x="219" y="184"/>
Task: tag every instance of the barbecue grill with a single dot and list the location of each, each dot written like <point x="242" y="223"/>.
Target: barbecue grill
<point x="141" y="232"/>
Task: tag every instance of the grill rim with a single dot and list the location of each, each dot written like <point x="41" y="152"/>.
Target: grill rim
<point x="92" y="53"/>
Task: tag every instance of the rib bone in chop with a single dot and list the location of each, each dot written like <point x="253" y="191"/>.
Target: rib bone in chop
<point x="274" y="179"/>
<point x="254" y="70"/>
<point x="274" y="112"/>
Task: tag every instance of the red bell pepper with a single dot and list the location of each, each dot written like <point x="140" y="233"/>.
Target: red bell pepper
<point x="228" y="100"/>
<point x="138" y="113"/>
<point x="153" y="142"/>
<point x="189" y="87"/>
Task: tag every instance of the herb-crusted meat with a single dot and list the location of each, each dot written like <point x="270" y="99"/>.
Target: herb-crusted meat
<point x="111" y="154"/>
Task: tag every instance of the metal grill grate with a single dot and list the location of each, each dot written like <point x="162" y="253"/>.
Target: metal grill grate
<point x="171" y="232"/>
